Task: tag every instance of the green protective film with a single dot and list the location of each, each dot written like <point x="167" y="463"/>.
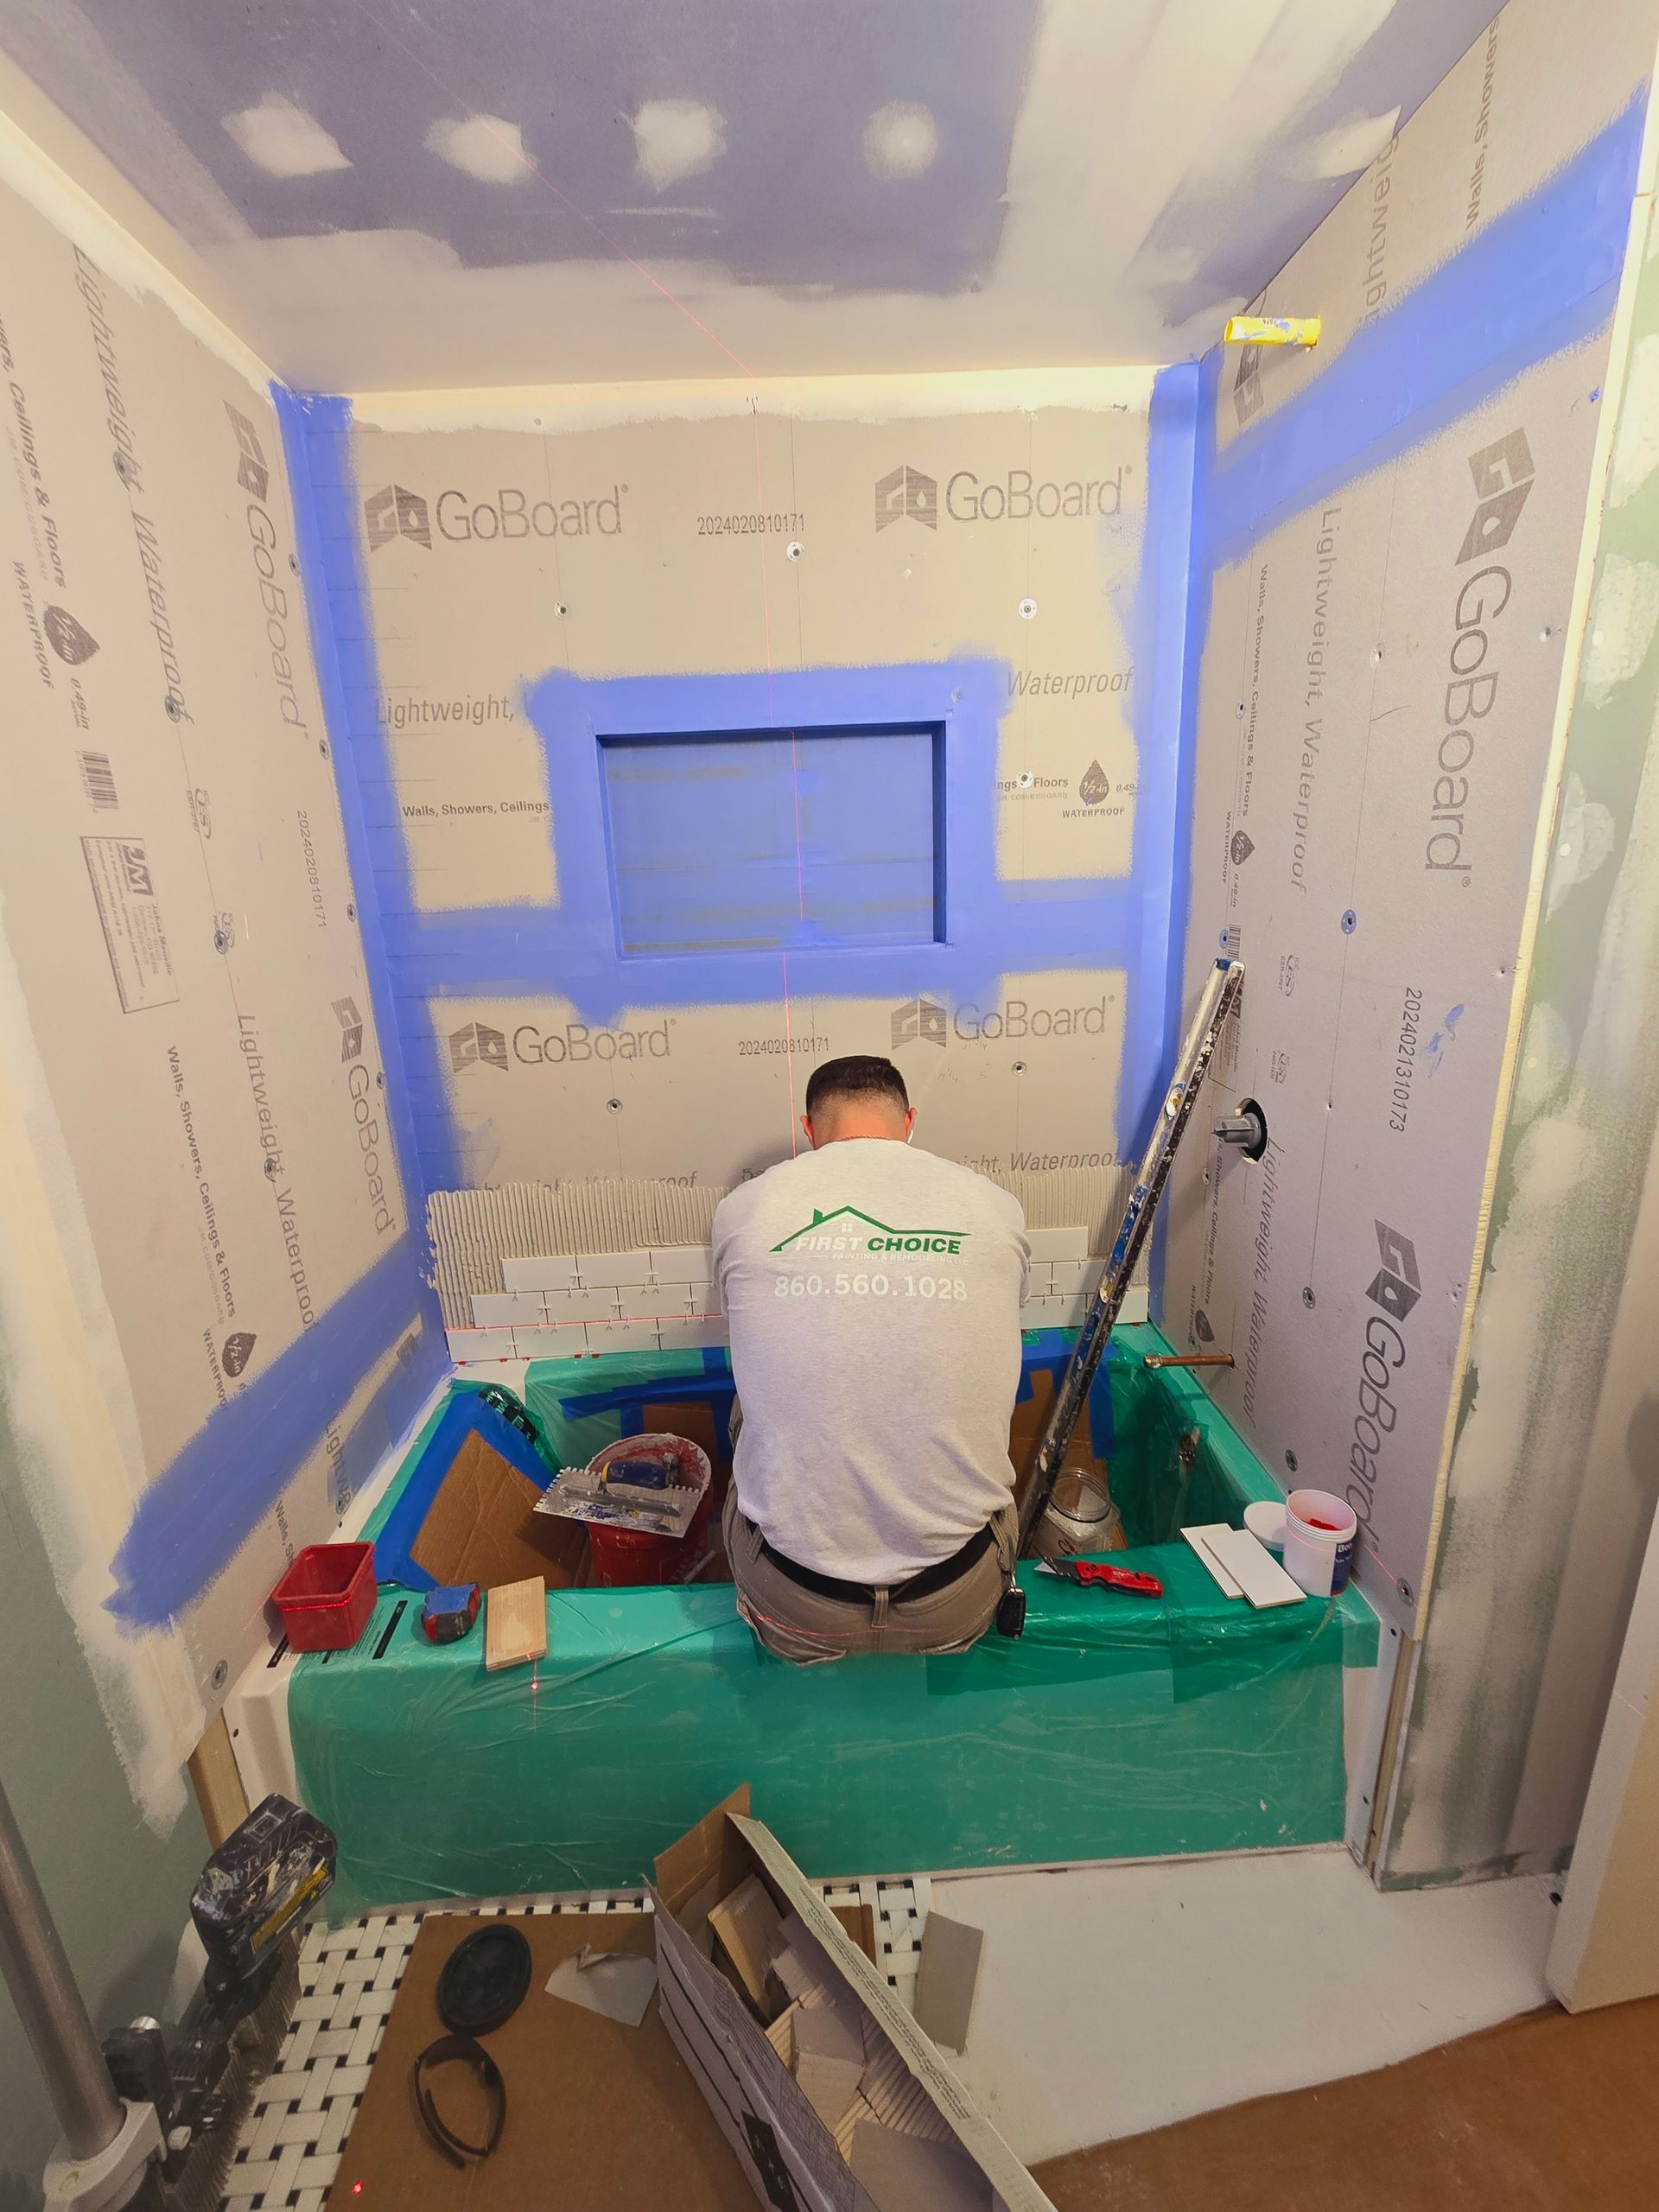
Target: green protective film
<point x="1117" y="1727"/>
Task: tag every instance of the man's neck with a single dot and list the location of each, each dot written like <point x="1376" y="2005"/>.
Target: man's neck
<point x="852" y="1125"/>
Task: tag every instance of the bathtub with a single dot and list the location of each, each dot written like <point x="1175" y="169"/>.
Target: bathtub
<point x="1115" y="1727"/>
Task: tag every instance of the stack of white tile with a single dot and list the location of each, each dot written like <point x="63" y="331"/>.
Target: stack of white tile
<point x="1063" y="1279"/>
<point x="555" y="1307"/>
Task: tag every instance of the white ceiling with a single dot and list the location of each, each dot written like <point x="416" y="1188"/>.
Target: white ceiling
<point x="463" y="193"/>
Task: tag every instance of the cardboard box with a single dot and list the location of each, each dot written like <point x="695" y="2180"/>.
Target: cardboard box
<point x="918" y="2146"/>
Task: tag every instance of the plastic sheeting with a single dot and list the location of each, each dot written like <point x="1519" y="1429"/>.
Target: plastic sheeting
<point x="1117" y="1727"/>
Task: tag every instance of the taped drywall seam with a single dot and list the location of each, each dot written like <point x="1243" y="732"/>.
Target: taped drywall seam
<point x="1163" y="739"/>
<point x="38" y="181"/>
<point x="1637" y="219"/>
<point x="1542" y="276"/>
<point x="77" y="1428"/>
<point x="316" y="440"/>
<point x="561" y="409"/>
<point x="1195" y="630"/>
<point x="195" y="1515"/>
<point x="316" y="444"/>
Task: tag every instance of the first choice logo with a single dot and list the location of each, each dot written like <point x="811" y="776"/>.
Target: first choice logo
<point x="351" y="1027"/>
<point x="1504" y="476"/>
<point x="907" y="492"/>
<point x="1393" y="1290"/>
<point x="476" y="1042"/>
<point x="922" y="1019"/>
<point x="394" y="513"/>
<point x="1015" y="496"/>
<point x="253" y="471"/>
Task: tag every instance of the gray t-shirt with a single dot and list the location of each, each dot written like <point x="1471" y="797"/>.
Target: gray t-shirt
<point x="874" y="1294"/>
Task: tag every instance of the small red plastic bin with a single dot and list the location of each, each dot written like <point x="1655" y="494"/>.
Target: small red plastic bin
<point x="327" y="1596"/>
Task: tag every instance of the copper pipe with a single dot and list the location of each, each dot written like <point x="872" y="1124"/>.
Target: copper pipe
<point x="1188" y="1360"/>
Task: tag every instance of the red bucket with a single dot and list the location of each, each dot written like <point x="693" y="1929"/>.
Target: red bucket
<point x="326" y="1598"/>
<point x="628" y="1558"/>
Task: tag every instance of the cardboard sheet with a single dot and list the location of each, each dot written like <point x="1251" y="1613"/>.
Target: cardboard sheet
<point x="792" y="2131"/>
<point x="598" y="2113"/>
<point x="482" y="1527"/>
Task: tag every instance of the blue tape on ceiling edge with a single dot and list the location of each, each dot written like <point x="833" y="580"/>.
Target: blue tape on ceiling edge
<point x="1541" y="276"/>
<point x="316" y="442"/>
<point x="200" y="1510"/>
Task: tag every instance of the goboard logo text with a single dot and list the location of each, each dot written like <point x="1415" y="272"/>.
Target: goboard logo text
<point x="1393" y="1290"/>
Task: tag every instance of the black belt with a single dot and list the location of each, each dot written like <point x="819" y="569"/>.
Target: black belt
<point x="924" y="1584"/>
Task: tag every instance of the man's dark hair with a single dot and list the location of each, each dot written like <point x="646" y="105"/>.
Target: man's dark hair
<point x="861" y="1075"/>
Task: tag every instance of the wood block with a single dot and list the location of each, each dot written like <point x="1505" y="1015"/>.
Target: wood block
<point x="515" y="1623"/>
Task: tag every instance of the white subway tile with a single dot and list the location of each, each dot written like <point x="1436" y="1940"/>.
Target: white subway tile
<point x="495" y="1308"/>
<point x="652" y="1301"/>
<point x="483" y="1345"/>
<point x="1073" y="1275"/>
<point x="556" y="1272"/>
<point x="1059" y="1243"/>
<point x="623" y="1336"/>
<point x="1040" y="1280"/>
<point x="599" y="1305"/>
<point x="693" y="1334"/>
<point x="560" y="1342"/>
<point x="683" y="1263"/>
<point x="1134" y="1309"/>
<point x="595" y="1267"/>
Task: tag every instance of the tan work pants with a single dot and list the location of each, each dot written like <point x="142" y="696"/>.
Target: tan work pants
<point x="807" y="1625"/>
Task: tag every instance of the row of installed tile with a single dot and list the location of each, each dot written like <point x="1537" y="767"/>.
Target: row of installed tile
<point x="663" y="1298"/>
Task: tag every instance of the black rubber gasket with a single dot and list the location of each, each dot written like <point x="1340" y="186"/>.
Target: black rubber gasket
<point x="484" y="1980"/>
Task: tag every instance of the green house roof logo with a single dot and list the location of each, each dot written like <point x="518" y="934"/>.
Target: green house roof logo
<point x="855" y="1215"/>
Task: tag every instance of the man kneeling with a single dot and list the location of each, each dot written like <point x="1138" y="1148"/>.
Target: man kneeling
<point x="873" y="1294"/>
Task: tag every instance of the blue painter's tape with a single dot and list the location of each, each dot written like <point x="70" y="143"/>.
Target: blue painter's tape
<point x="202" y="1507"/>
<point x="1541" y="276"/>
<point x="316" y="441"/>
<point x="1195" y="628"/>
<point x="464" y="1415"/>
<point x="989" y="928"/>
<point x="1164" y="741"/>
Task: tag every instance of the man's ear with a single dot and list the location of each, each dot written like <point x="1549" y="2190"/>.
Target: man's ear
<point x="910" y="1123"/>
<point x="806" y="1124"/>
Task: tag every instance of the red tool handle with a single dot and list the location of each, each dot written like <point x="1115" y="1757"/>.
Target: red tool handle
<point x="1114" y="1577"/>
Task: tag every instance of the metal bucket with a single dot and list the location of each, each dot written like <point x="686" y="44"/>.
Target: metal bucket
<point x="1081" y="1518"/>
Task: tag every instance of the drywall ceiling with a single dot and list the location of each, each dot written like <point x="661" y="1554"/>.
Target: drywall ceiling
<point x="483" y="192"/>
